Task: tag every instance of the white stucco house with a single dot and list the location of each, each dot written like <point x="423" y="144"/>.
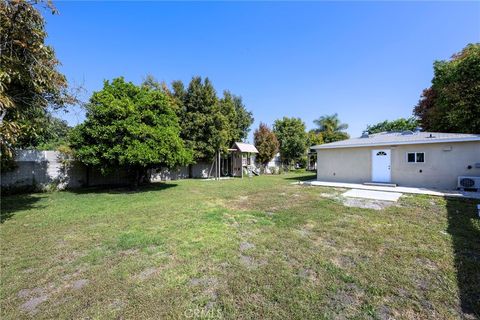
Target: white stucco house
<point x="415" y="159"/>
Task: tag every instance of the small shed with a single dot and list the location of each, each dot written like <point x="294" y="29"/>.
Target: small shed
<point x="242" y="156"/>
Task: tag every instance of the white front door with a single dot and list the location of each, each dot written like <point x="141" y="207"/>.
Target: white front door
<point x="381" y="165"/>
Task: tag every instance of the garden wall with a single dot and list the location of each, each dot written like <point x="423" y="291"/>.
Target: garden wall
<point x="44" y="169"/>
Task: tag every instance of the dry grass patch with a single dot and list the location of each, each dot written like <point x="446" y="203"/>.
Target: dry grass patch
<point x="236" y="249"/>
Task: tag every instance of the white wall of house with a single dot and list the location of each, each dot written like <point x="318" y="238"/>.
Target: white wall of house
<point x="444" y="162"/>
<point x="274" y="163"/>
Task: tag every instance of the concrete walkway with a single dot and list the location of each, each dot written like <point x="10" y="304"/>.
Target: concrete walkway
<point x="373" y="195"/>
<point x="431" y="192"/>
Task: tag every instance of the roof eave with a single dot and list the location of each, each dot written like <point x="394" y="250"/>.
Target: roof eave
<point x="392" y="143"/>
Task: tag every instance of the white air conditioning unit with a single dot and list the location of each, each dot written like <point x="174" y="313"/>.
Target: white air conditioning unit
<point x="466" y="182"/>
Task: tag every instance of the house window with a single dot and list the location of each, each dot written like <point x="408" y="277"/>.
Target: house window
<point x="413" y="157"/>
<point x="420" y="157"/>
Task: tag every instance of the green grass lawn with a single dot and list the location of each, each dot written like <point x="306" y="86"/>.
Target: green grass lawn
<point x="241" y="249"/>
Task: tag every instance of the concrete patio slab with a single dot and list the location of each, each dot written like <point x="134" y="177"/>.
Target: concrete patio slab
<point x="373" y="195"/>
<point x="426" y="191"/>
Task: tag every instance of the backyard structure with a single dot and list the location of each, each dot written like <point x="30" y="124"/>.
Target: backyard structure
<point x="41" y="169"/>
<point x="241" y="158"/>
<point x="416" y="159"/>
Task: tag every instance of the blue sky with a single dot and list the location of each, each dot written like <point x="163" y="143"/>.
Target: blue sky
<point x="365" y="61"/>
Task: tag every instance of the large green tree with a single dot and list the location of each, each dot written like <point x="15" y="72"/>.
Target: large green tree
<point x="266" y="143"/>
<point x="292" y="137"/>
<point x="400" y="124"/>
<point x="209" y="124"/>
<point x="314" y="138"/>
<point x="203" y="127"/>
<point x="50" y="134"/>
<point x="129" y="126"/>
<point x="331" y="128"/>
<point x="452" y="103"/>
<point x="29" y="78"/>
<point x="238" y="117"/>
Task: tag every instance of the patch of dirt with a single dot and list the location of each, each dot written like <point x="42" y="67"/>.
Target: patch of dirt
<point x="347" y="299"/>
<point x="303" y="232"/>
<point x="422" y="283"/>
<point x="209" y="285"/>
<point x="117" y="305"/>
<point x="306" y="229"/>
<point x="69" y="257"/>
<point x="77" y="273"/>
<point x="128" y="252"/>
<point x="147" y="273"/>
<point x="343" y="261"/>
<point x="79" y="284"/>
<point x="38" y="295"/>
<point x="330" y="195"/>
<point x="24" y="293"/>
<point x="206" y="282"/>
<point x="367" y="203"/>
<point x="30" y="306"/>
<point x="29" y="270"/>
<point x="246" y="246"/>
<point x="308" y="274"/>
<point x="384" y="313"/>
<point x="429" y="264"/>
<point x="250" y="262"/>
<point x="325" y="242"/>
<point x="270" y="201"/>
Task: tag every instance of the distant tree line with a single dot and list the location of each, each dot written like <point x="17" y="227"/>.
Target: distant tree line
<point x="30" y="83"/>
<point x="290" y="138"/>
<point x="152" y="124"/>
<point x="451" y="103"/>
<point x="400" y="124"/>
<point x="209" y="123"/>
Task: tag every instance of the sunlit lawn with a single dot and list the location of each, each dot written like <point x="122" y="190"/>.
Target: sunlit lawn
<point x="242" y="249"/>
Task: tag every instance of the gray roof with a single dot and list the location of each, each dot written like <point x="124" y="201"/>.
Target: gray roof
<point x="245" y="147"/>
<point x="399" y="138"/>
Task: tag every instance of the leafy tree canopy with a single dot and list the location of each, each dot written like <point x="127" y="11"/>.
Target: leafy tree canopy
<point x="400" y="124"/>
<point x="314" y="138"/>
<point x="29" y="76"/>
<point x="452" y="103"/>
<point x="292" y="137"/>
<point x="331" y="128"/>
<point x="52" y="133"/>
<point x="266" y="143"/>
<point x="209" y="124"/>
<point x="129" y="126"/>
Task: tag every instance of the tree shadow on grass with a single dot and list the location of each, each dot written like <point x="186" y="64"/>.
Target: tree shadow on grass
<point x="304" y="177"/>
<point x="11" y="204"/>
<point x="464" y="227"/>
<point x="124" y="189"/>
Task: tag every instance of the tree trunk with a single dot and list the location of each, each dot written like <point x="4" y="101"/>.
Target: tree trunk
<point x="88" y="176"/>
<point x="136" y="179"/>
